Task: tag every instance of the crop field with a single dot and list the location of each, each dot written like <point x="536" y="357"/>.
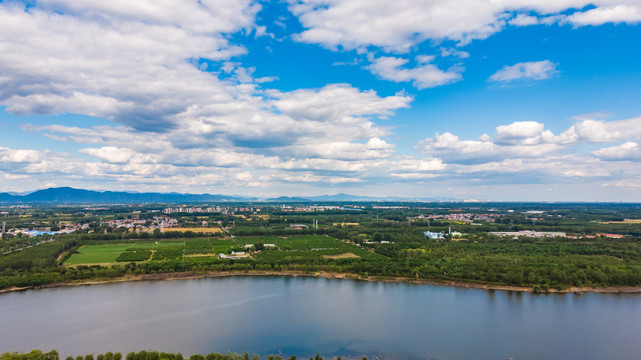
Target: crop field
<point x="134" y="255"/>
<point x="198" y="246"/>
<point x="222" y="246"/>
<point x="299" y="242"/>
<point x="300" y="247"/>
<point x="626" y="221"/>
<point x="158" y="245"/>
<point x="97" y="254"/>
<point x="195" y="229"/>
<point x="169" y="253"/>
<point x="306" y="247"/>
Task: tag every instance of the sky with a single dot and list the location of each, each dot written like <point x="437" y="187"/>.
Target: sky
<point x="503" y="100"/>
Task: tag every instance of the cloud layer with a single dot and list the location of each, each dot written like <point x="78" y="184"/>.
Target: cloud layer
<point x="185" y="114"/>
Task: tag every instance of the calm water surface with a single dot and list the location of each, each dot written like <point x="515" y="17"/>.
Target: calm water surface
<point x="303" y="316"/>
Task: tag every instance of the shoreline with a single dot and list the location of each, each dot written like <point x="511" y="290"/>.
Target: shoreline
<point x="330" y="275"/>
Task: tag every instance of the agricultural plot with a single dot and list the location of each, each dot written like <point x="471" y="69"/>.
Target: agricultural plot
<point x="169" y="253"/>
<point x="303" y="247"/>
<point x="134" y="255"/>
<point x="307" y="247"/>
<point x="196" y="229"/>
<point x="300" y="242"/>
<point x="198" y="246"/>
<point x="159" y="245"/>
<point x="97" y="254"/>
<point x="222" y="246"/>
<point x="106" y="254"/>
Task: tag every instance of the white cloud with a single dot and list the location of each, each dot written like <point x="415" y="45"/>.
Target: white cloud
<point x="626" y="151"/>
<point x="181" y="128"/>
<point x="205" y="16"/>
<point x="8" y="155"/>
<point x="337" y="101"/>
<point x="266" y="79"/>
<point x="523" y="133"/>
<point x="116" y="155"/>
<point x="525" y="152"/>
<point x="597" y="131"/>
<point x="626" y="183"/>
<point x="535" y="70"/>
<point x="374" y="148"/>
<point x="423" y="75"/>
<point x="454" y="52"/>
<point x="396" y="26"/>
<point x="415" y="176"/>
<point x="630" y="14"/>
<point x="512" y="141"/>
<point x="524" y="20"/>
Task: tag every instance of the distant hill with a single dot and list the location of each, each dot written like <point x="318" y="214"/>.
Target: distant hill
<point x="343" y="197"/>
<point x="67" y="195"/>
<point x="288" y="199"/>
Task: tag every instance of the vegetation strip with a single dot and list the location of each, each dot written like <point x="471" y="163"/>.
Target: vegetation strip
<point x="568" y="247"/>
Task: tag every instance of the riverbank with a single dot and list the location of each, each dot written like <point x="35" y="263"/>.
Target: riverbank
<point x="327" y="275"/>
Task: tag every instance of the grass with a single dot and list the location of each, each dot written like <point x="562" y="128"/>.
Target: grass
<point x="97" y="254"/>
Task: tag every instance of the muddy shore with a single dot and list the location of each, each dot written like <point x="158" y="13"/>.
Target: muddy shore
<point x="328" y="275"/>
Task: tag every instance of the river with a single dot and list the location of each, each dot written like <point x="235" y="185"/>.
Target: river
<point x="302" y="316"/>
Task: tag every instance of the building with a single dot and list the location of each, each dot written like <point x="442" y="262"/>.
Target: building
<point x="529" y="233"/>
<point x="433" y="235"/>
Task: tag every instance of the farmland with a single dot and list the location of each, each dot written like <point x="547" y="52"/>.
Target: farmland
<point x="302" y="247"/>
<point x="198" y="230"/>
<point x="97" y="254"/>
<point x="548" y="246"/>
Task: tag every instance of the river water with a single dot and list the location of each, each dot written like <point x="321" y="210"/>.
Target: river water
<point x="302" y="316"/>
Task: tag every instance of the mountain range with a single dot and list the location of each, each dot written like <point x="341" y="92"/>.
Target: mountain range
<point x="67" y="195"/>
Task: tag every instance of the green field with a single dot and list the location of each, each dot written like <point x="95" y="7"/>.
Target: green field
<point x="299" y="247"/>
<point x="162" y="250"/>
<point x="305" y="247"/>
<point x="222" y="246"/>
<point x="97" y="254"/>
<point x="158" y="245"/>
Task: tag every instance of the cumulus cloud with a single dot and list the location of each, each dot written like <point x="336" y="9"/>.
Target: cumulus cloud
<point x="535" y="70"/>
<point x="451" y="149"/>
<point x="178" y="126"/>
<point x="374" y="148"/>
<point x="616" y="14"/>
<point x="424" y="75"/>
<point x="399" y="25"/>
<point x="599" y="131"/>
<point x="529" y="139"/>
<point x="112" y="68"/>
<point x="525" y="152"/>
<point x="175" y="118"/>
<point x="627" y="151"/>
<point x="524" y="20"/>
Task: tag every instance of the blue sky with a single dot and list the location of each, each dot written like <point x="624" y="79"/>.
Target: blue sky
<point x="470" y="99"/>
